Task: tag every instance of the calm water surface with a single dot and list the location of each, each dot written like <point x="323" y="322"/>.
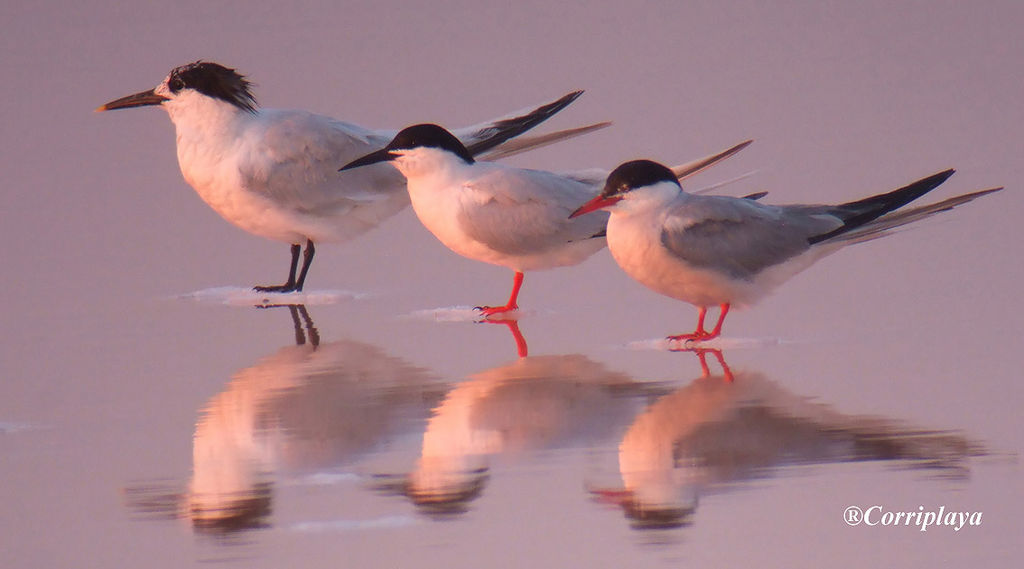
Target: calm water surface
<point x="142" y="425"/>
<point x="193" y="432"/>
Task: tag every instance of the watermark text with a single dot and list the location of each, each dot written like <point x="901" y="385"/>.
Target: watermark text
<point x="877" y="515"/>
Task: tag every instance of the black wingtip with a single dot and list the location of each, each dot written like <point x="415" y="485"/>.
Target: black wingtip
<point x="857" y="213"/>
<point x="902" y="196"/>
<point x="937" y="179"/>
<point x="503" y="130"/>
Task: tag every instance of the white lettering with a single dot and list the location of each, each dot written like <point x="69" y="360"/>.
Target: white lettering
<point x="878" y="515"/>
<point x="867" y="515"/>
<point x="929" y="519"/>
<point x="962" y="518"/>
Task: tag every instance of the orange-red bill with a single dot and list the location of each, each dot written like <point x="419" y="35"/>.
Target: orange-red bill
<point x="599" y="202"/>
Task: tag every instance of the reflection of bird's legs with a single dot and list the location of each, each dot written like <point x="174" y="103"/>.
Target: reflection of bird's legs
<point x="517" y="283"/>
<point x="314" y="334"/>
<point x="616" y="496"/>
<point x="300" y="336"/>
<point x="513" y="327"/>
<point x="700" y="334"/>
<point x="705" y="371"/>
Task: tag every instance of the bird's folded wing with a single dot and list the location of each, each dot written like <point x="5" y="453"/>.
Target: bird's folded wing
<point x="526" y="211"/>
<point x="738" y="237"/>
<point x="295" y="164"/>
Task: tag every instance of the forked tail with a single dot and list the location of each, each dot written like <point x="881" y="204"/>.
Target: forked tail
<point x="862" y="212"/>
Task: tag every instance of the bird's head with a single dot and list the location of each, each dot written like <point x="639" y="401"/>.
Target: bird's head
<point x="416" y="148"/>
<point x="634" y="180"/>
<point x="192" y="85"/>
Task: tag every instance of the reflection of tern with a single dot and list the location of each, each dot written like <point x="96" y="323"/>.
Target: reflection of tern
<point x="719" y="250"/>
<point x="305" y="407"/>
<point x="498" y="214"/>
<point x="534" y="402"/>
<point x="711" y="432"/>
<point x="274" y="172"/>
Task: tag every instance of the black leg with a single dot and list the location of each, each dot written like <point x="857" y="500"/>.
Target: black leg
<point x="307" y="260"/>
<point x="290" y="285"/>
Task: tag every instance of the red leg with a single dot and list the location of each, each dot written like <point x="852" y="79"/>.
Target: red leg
<point x="517" y="283"/>
<point x="723" y="310"/>
<point x="699" y="335"/>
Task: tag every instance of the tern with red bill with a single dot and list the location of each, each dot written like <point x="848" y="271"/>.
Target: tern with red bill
<point x="724" y="251"/>
<point x="507" y="216"/>
<point x="274" y="172"/>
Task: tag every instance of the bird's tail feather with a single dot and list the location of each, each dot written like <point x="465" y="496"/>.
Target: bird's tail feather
<point x="684" y="171"/>
<point x="886" y="224"/>
<point x="719" y="185"/>
<point x="526" y="143"/>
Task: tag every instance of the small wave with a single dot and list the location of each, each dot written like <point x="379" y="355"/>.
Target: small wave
<point x="246" y="296"/>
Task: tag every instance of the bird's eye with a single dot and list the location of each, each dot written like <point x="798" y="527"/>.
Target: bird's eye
<point x="175" y="84"/>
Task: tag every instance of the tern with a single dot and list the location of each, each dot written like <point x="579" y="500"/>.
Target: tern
<point x="273" y="172"/>
<point x="725" y="251"/>
<point x="498" y="214"/>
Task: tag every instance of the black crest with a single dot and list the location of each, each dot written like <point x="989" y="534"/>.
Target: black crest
<point x="430" y="136"/>
<point x="214" y="80"/>
<point x="636" y="174"/>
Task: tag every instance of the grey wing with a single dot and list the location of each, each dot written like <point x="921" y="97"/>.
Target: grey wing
<point x="295" y="160"/>
<point x="592" y="177"/>
<point x="739" y="237"/>
<point x="522" y="212"/>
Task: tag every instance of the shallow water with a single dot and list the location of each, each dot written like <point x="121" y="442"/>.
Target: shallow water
<point x="151" y="415"/>
<point x="270" y="435"/>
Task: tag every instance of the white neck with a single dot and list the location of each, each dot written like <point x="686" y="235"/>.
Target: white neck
<point x="425" y="164"/>
<point x="196" y="116"/>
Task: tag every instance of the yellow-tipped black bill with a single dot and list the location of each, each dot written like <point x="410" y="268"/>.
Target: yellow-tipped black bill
<point x="142" y="99"/>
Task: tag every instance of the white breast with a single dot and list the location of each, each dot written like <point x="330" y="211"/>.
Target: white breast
<point x="635" y="244"/>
